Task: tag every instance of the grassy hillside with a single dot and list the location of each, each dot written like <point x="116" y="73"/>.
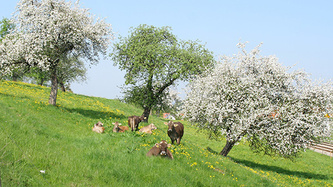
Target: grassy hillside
<point x="59" y="140"/>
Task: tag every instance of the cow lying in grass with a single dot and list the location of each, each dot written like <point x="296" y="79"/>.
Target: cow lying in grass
<point x="118" y="128"/>
<point x="160" y="149"/>
<point x="133" y="122"/>
<point x="98" y="127"/>
<point x="148" y="129"/>
<point x="175" y="131"/>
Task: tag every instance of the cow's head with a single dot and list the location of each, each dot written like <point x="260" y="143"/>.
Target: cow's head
<point x="152" y="126"/>
<point x="116" y="123"/>
<point x="98" y="127"/>
<point x="171" y="125"/>
<point x="116" y="126"/>
<point x="163" y="146"/>
<point x="142" y="118"/>
<point x="99" y="124"/>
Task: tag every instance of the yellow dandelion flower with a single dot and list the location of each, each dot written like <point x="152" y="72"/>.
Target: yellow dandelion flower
<point x="194" y="164"/>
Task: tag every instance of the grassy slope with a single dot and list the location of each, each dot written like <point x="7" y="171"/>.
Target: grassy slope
<point x="35" y="136"/>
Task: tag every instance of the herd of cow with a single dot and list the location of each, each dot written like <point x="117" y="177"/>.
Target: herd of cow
<point x="175" y="132"/>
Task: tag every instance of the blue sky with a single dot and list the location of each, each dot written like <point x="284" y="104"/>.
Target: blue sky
<point x="296" y="31"/>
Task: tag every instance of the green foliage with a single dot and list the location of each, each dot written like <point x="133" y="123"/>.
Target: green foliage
<point x="70" y="69"/>
<point x="155" y="59"/>
<point x="58" y="139"/>
<point x="38" y="75"/>
<point x="5" y="27"/>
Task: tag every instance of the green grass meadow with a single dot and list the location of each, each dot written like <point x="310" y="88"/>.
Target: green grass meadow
<point x="59" y="140"/>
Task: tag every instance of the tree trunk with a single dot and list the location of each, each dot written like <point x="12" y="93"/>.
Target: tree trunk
<point x="54" y="86"/>
<point x="41" y="82"/>
<point x="228" y="146"/>
<point x="15" y="77"/>
<point x="146" y="113"/>
<point x="62" y="86"/>
<point x="150" y="97"/>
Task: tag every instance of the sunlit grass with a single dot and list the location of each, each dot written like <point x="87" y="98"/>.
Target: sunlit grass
<point x="38" y="137"/>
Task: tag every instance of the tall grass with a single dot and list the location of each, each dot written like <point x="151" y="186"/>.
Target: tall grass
<point x="37" y="137"/>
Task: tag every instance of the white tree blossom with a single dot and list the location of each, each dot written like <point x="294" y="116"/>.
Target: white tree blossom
<point x="255" y="97"/>
<point x="47" y="30"/>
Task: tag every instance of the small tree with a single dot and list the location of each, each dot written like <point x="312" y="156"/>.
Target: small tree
<point x="49" y="30"/>
<point x="71" y="69"/>
<point x="154" y="60"/>
<point x="254" y="97"/>
<point x="38" y="76"/>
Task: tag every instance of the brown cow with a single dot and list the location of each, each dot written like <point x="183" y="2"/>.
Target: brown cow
<point x="160" y="149"/>
<point x="175" y="131"/>
<point x="133" y="122"/>
<point x="118" y="128"/>
<point x="98" y="127"/>
<point x="148" y="129"/>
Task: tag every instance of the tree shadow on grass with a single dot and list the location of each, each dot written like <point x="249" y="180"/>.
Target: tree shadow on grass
<point x="280" y="170"/>
<point x="276" y="169"/>
<point x="93" y="114"/>
<point x="212" y="151"/>
<point x="15" y="97"/>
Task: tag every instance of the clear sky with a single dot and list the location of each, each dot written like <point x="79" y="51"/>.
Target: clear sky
<point x="298" y="32"/>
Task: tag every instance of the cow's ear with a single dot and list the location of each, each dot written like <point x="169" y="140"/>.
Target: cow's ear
<point x="157" y="144"/>
<point x="169" y="145"/>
